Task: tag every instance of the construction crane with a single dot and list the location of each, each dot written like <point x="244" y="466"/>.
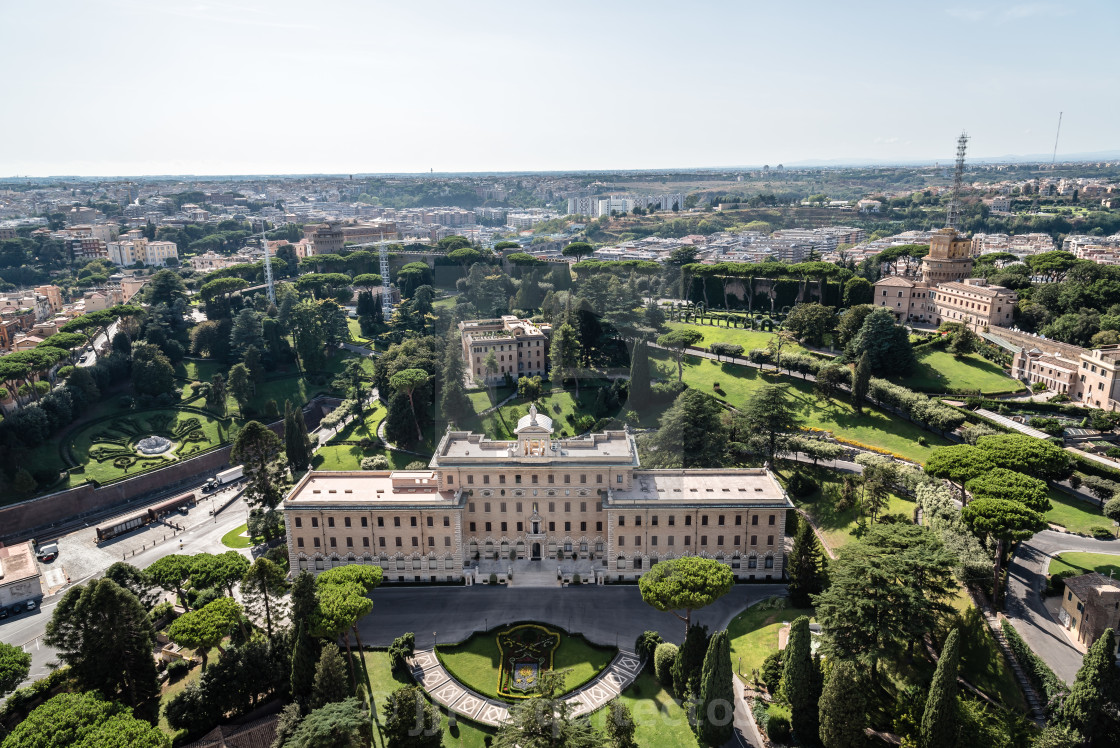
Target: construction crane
<point x="952" y="214"/>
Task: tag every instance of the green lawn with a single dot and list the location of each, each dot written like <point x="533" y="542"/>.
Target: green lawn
<point x="199" y="371"/>
<point x="356" y="332"/>
<point x="105" y="445"/>
<point x="364" y="427"/>
<point x="349" y="457"/>
<point x="749" y="339"/>
<point x="940" y="371"/>
<point x="481" y="399"/>
<point x="840" y="527"/>
<point x="476" y="662"/>
<point x="236" y="538"/>
<point x="173" y="689"/>
<point x="660" y="722"/>
<point x="1074" y="514"/>
<point x="562" y="407"/>
<point x="871" y="428"/>
<point x="1083" y="563"/>
<point x="754" y="634"/>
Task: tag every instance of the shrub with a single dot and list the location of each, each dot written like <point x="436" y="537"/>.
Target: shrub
<point x="645" y="645"/>
<point x="771" y="673"/>
<point x="400" y="650"/>
<point x="1075" y="480"/>
<point x="1101" y="533"/>
<point x="922" y="441"/>
<point x="377" y="462"/>
<point x="801" y="485"/>
<point x="778" y="725"/>
<point x="663" y="658"/>
<point x="1056" y="583"/>
<point x="162" y="611"/>
<point x="493" y="578"/>
<point x="176" y="669"/>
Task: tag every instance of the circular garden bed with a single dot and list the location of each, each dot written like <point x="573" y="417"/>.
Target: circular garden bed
<point x="118" y="446"/>
<point x="505" y="663"/>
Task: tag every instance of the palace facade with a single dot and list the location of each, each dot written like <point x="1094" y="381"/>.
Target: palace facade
<point x="581" y="502"/>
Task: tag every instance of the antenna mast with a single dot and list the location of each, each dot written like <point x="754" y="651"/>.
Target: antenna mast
<point x="386" y="293"/>
<point x="1054" y="157"/>
<point x="952" y="214"/>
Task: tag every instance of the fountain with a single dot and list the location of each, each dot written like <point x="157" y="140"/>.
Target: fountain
<point x="153" y="445"/>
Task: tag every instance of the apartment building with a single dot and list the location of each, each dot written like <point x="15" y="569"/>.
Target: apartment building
<point x="133" y="249"/>
<point x="582" y="500"/>
<point x="1090" y="605"/>
<point x="520" y="348"/>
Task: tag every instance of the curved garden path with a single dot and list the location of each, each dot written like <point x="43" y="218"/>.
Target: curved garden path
<point x="431" y="675"/>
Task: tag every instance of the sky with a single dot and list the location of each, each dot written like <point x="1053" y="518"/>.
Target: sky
<point x="143" y="87"/>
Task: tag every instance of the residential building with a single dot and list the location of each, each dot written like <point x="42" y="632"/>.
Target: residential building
<point x="583" y="501"/>
<point x="136" y="249"/>
<point x="520" y="348"/>
<point x="54" y="296"/>
<point x="1090" y="605"/>
<point x="1088" y="376"/>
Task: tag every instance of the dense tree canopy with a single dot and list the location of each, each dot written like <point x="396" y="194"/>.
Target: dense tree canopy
<point x="685" y="584"/>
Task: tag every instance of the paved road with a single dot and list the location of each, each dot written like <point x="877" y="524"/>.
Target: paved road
<point x="27" y="630"/>
<point x="1026" y="579"/>
<point x="606" y="615"/>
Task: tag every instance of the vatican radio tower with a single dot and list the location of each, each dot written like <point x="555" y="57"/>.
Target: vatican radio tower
<point x="952" y="215"/>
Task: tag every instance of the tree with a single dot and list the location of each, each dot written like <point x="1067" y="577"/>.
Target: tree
<point x="1004" y="520"/>
<point x="262" y="583"/>
<point x="677" y="342"/>
<point x="222" y="570"/>
<point x="84" y="720"/>
<point x="861" y="381"/>
<point x="715" y="712"/>
<point x="411" y="721"/>
<point x="565" y="352"/>
<point x="1083" y="709"/>
<point x="152" y="373"/>
<point x="939" y="720"/>
<point x="297" y="446"/>
<point x="15" y="664"/>
<point x="963" y="342"/>
<point x="330" y="678"/>
<point x="256" y="447"/>
<point x="408" y="381"/>
<point x="98" y="618"/>
<point x="858" y="291"/>
<point x="170" y="573"/>
<point x="577" y="250"/>
<point x="343" y="597"/>
<point x="850" y="323"/>
<point x="1112" y="509"/>
<point x="886" y="344"/>
<point x="691" y="433"/>
<point x="619" y="726"/>
<point x="1058" y="736"/>
<point x="843" y="707"/>
<point x="165" y="287"/>
<point x="546" y="721"/>
<point x="241" y="386"/>
<point x="687" y="583"/>
<point x="797" y="682"/>
<point x="342" y="724"/>
<point x="454" y="405"/>
<point x="135" y="581"/>
<point x="1102" y="488"/>
<point x="204" y="629"/>
<point x="1001" y="483"/>
<point x="958" y="464"/>
<point x="640" y="392"/>
<point x="351" y="380"/>
<point x="216" y="395"/>
<point x="307" y="332"/>
<point x="1025" y="454"/>
<point x="529" y="387"/>
<point x="689" y="664"/>
<point x="830" y="379"/>
<point x="885" y="593"/>
<point x="811" y="322"/>
<point x="769" y="416"/>
<point x="731" y="350"/>
<point x="808" y="567"/>
<point x="247" y="331"/>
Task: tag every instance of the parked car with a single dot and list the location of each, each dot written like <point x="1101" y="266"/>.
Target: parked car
<point x="32" y="605"/>
<point x="47" y="552"/>
<point x="3" y="613"/>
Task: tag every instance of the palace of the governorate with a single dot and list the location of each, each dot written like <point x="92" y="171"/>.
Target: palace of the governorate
<point x="584" y="504"/>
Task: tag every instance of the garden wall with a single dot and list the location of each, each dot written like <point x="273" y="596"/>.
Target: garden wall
<point x="17" y="521"/>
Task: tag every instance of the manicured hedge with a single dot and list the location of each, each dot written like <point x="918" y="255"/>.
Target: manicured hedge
<point x="1048" y="685"/>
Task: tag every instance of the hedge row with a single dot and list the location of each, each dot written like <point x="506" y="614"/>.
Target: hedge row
<point x="1045" y="682"/>
<point x="916" y="406"/>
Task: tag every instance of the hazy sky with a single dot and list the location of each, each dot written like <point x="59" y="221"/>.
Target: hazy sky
<point x="107" y="87"/>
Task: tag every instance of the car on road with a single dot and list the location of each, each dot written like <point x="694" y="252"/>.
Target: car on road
<point x="89" y="348"/>
<point x="82" y="359"/>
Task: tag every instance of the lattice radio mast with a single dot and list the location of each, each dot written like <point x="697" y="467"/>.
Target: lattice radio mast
<point x="1054" y="157"/>
<point x="386" y="294"/>
<point x="952" y="215"/>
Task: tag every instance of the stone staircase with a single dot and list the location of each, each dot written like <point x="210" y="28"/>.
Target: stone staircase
<point x="534" y="574"/>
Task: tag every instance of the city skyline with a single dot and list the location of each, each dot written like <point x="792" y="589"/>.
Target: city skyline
<point x="349" y="88"/>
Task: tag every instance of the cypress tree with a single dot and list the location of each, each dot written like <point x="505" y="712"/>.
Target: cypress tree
<point x="940" y="721"/>
<point x="1083" y="708"/>
<point x="690" y="661"/>
<point x="861" y="380"/>
<point x="639" y="377"/>
<point x="453" y="403"/>
<point x="843" y="707"/>
<point x="295" y="438"/>
<point x="807" y="567"/>
<point x="330" y="678"/>
<point x="715" y="713"/>
<point x="797" y="682"/>
<point x="305" y="657"/>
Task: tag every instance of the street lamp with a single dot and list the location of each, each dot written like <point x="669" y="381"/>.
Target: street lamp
<point x="435" y="640"/>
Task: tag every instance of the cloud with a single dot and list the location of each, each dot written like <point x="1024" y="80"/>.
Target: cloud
<point x="1031" y="10"/>
<point x="880" y="140"/>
